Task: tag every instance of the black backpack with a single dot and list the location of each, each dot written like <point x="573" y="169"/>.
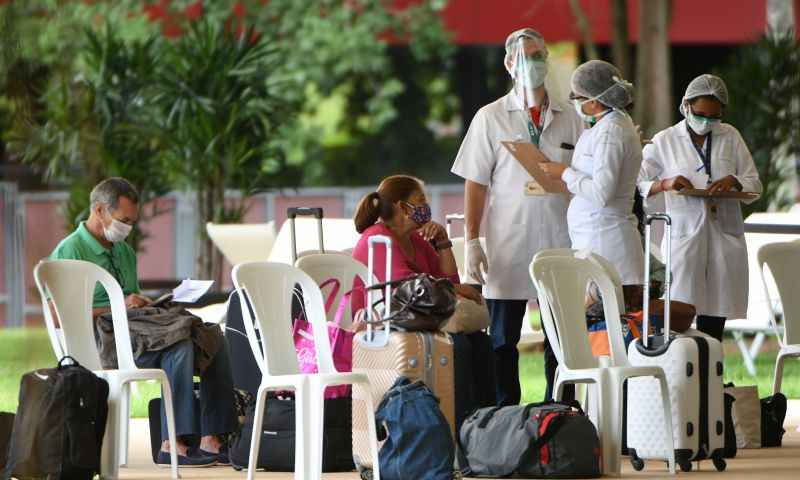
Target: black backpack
<point x="773" y="413"/>
<point x="60" y="423"/>
<point x="276" y="452"/>
<point x="547" y="439"/>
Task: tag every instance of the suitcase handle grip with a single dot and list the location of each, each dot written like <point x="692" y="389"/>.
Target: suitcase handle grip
<point x="371" y="242"/>
<point x="450" y="218"/>
<point x="658" y="216"/>
<point x="295" y="212"/>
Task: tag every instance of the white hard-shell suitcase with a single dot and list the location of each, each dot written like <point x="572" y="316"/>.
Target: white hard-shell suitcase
<point x="692" y="363"/>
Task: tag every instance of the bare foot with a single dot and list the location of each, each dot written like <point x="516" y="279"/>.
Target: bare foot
<point x="180" y="447"/>
<point x="210" y="443"/>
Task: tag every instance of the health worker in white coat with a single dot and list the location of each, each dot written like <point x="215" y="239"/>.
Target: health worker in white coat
<point x="603" y="174"/>
<point x="709" y="256"/>
<point x="521" y="218"/>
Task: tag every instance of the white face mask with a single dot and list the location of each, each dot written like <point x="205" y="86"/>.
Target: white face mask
<point x="590" y="119"/>
<point x="117" y="231"/>
<point x="537" y="71"/>
<point x="700" y="125"/>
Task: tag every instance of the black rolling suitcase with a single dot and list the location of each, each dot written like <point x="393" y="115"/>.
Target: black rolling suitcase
<point x="60" y="423"/>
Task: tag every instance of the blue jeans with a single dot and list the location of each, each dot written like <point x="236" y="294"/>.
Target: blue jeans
<point x="217" y="411"/>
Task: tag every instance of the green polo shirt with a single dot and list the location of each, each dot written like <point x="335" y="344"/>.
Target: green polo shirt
<point x="119" y="261"/>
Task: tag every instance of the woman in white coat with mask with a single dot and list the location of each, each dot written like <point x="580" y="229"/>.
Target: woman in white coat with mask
<point x="520" y="219"/>
<point x="709" y="256"/>
<point x="603" y="174"/>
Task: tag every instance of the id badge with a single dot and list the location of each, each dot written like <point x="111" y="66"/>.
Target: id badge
<point x="533" y="188"/>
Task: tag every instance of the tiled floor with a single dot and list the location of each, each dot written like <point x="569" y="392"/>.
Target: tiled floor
<point x="772" y="464"/>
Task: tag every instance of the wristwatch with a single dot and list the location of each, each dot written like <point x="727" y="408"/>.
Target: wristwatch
<point x="444" y="245"/>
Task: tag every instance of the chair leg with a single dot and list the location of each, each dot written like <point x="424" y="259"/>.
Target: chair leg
<point x="315" y="441"/>
<point x="373" y="434"/>
<point x="609" y="436"/>
<point x="778" y="379"/>
<point x="109" y="455"/>
<point x="166" y="390"/>
<point x="255" y="439"/>
<point x="669" y="436"/>
<point x="124" y="417"/>
<point x="748" y="360"/>
<point x="303" y="420"/>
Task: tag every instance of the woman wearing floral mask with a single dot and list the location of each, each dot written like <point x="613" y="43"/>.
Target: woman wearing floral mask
<point x="708" y="248"/>
<point x="399" y="210"/>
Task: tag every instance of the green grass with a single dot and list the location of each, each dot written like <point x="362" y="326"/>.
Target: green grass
<point x="23" y="350"/>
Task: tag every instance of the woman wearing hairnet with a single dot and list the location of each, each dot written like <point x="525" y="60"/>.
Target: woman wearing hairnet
<point x="603" y="174"/>
<point x="521" y="218"/>
<point x="709" y="255"/>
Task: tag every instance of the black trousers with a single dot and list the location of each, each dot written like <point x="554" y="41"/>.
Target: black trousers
<point x="710" y="325"/>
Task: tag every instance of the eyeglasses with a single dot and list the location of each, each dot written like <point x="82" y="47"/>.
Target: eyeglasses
<point x="705" y="117"/>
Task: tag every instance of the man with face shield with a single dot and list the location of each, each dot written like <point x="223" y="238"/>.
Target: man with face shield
<point x="101" y="240"/>
<point x="708" y="248"/>
<point x="521" y="218"/>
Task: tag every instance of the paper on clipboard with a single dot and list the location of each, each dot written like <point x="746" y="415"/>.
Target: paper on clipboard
<point x="530" y="157"/>
<point x="694" y="192"/>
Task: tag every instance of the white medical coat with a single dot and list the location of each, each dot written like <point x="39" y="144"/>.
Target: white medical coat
<point x="517" y="225"/>
<point x="603" y="179"/>
<point x="709" y="256"/>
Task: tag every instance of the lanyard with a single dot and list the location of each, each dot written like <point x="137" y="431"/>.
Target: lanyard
<point x="705" y="157"/>
<point x="535" y="131"/>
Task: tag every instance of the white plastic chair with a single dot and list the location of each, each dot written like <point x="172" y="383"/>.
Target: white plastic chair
<point x="324" y="266"/>
<point x="783" y="260"/>
<point x="561" y="281"/>
<point x="70" y="285"/>
<point x="269" y="287"/>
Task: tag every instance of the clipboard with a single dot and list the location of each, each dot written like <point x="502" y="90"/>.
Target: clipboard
<point x="696" y="192"/>
<point x="530" y="157"/>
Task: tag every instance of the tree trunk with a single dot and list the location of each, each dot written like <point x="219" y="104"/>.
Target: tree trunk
<point x="210" y="199"/>
<point x="620" y="49"/>
<point x="584" y="28"/>
<point x="654" y="106"/>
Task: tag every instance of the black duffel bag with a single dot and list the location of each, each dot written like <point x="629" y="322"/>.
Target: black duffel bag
<point x="60" y="423"/>
<point x="773" y="413"/>
<point x="547" y="439"/>
<point x="276" y="452"/>
<point x="419" y="303"/>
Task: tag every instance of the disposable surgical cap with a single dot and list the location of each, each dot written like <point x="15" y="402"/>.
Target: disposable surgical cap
<point x="602" y="81"/>
<point x="707" y="84"/>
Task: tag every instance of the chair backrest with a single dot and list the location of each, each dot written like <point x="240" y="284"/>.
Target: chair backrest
<point x="561" y="282"/>
<point x="243" y="242"/>
<point x="270" y="289"/>
<point x="339" y="234"/>
<point x="70" y="285"/>
<point x="325" y="266"/>
<point x="783" y="260"/>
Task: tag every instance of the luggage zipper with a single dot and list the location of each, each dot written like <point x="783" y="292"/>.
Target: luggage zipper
<point x="427" y="354"/>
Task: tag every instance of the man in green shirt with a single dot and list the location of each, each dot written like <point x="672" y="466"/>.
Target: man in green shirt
<point x="101" y="240"/>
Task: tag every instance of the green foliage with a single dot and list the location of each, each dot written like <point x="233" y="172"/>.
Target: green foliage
<point x="763" y="80"/>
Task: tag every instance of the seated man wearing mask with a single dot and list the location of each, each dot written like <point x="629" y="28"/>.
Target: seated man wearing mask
<point x="101" y="240"/>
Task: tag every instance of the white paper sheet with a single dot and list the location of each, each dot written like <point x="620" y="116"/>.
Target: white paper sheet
<point x="189" y="291"/>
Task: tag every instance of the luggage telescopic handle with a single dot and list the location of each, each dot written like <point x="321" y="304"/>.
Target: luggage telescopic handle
<point x="292" y="213"/>
<point x="667" y="275"/>
<point x="450" y="218"/>
<point x="295" y="212"/>
<point x="387" y="304"/>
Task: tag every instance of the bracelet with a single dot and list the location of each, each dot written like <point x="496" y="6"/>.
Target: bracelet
<point x="444" y="245"/>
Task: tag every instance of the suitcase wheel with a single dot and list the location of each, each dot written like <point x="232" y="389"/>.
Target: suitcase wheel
<point x="638" y="464"/>
<point x="685" y="465"/>
<point x="719" y="463"/>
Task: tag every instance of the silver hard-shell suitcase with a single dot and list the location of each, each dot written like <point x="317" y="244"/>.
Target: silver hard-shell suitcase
<point x="692" y="363"/>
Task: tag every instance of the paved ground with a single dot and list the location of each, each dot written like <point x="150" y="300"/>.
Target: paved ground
<point x="773" y="463"/>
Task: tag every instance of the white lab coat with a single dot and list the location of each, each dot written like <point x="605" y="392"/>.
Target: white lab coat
<point x="709" y="256"/>
<point x="517" y="225"/>
<point x="603" y="179"/>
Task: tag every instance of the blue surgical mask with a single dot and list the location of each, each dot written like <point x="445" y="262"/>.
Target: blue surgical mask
<point x="420" y="214"/>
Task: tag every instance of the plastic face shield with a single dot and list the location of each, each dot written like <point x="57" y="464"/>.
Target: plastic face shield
<point x="523" y="63"/>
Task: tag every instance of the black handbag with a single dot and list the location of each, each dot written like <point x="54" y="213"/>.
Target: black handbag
<point x="419" y="303"/>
